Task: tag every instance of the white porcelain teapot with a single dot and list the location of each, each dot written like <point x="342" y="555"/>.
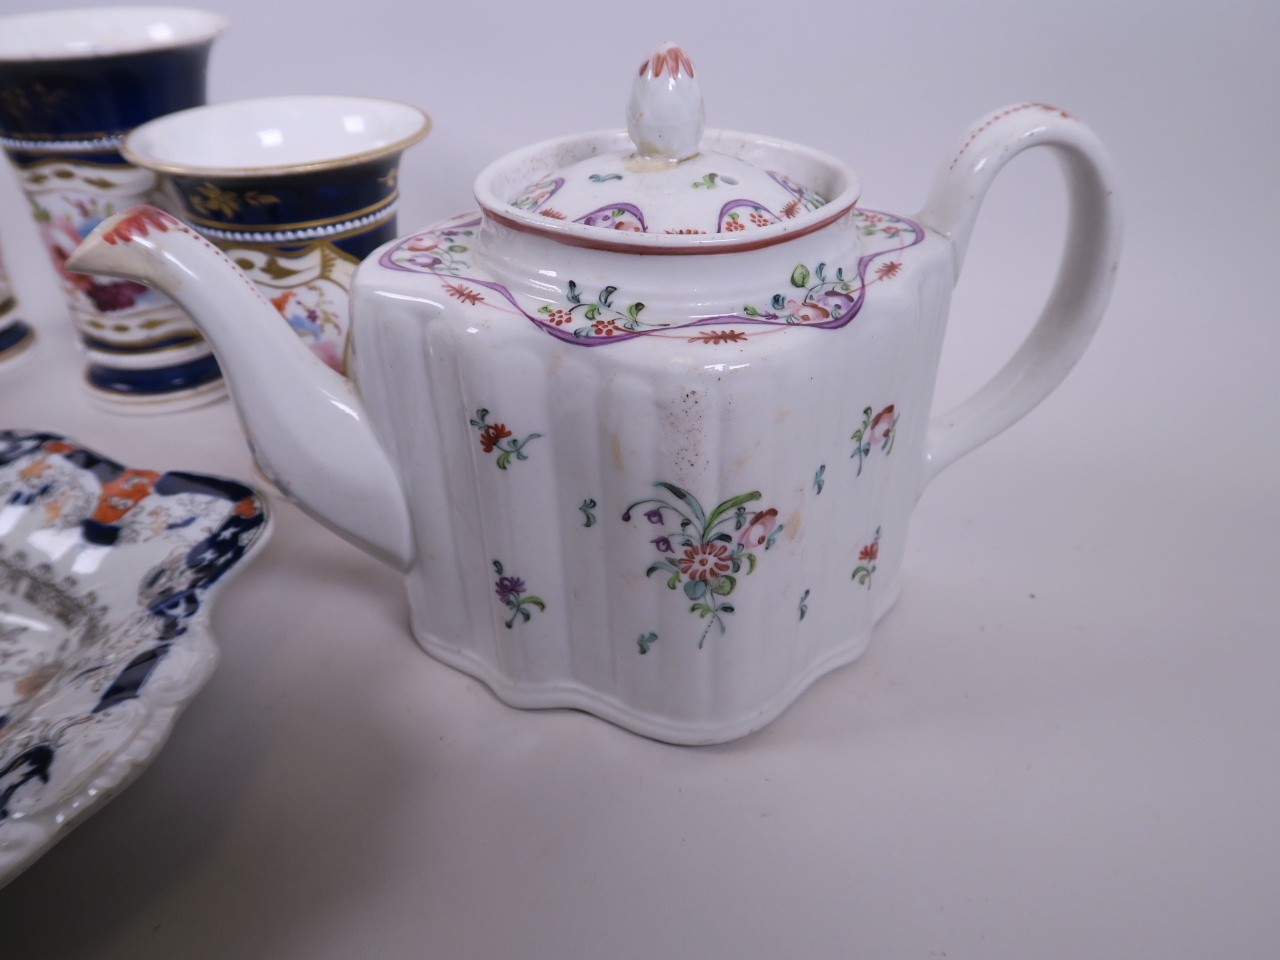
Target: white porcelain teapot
<point x="645" y="432"/>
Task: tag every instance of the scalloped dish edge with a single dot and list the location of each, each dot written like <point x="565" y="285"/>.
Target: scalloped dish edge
<point x="202" y="528"/>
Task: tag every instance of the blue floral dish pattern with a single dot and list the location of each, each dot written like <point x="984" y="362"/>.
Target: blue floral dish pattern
<point x="106" y="575"/>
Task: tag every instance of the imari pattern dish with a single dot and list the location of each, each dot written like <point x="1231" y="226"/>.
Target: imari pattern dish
<point x="653" y="456"/>
<point x="72" y="84"/>
<point x="107" y="574"/>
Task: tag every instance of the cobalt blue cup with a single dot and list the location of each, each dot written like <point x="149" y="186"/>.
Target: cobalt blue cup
<point x="72" y="84"/>
<point x="295" y="190"/>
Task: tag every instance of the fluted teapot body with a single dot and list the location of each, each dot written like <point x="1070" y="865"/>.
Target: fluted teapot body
<point x="645" y="430"/>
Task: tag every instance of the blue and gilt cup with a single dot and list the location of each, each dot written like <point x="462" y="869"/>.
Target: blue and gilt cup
<point x="72" y="84"/>
<point x="295" y="190"/>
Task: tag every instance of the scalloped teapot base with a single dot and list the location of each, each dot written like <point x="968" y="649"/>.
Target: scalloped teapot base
<point x="569" y="694"/>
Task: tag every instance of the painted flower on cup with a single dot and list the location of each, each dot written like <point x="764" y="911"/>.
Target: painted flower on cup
<point x="114" y="295"/>
<point x="62" y="233"/>
<point x="313" y="316"/>
<point x="701" y="555"/>
<point x="61" y="237"/>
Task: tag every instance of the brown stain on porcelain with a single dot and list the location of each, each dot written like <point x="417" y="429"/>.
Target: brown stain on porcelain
<point x="792" y="529"/>
<point x="748" y="454"/>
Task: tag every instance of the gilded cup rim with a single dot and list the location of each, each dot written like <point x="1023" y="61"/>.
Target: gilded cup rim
<point x="84" y="34"/>
<point x="187" y="143"/>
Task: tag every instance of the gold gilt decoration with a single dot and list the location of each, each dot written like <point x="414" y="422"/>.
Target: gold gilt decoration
<point x="23" y="101"/>
<point x="52" y="169"/>
<point x="273" y="268"/>
<point x="67" y="173"/>
<point x="213" y="199"/>
<point x="61" y="173"/>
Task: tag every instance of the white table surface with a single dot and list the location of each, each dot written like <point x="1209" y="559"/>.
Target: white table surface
<point x="1064" y="741"/>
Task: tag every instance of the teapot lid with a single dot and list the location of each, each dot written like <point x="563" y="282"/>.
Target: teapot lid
<point x="665" y="179"/>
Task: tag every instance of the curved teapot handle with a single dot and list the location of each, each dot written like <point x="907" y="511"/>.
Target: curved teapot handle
<point x="1085" y="277"/>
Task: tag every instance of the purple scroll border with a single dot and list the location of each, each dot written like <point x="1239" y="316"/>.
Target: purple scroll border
<point x="737" y="319"/>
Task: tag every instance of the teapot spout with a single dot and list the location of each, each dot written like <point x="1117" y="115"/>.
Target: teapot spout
<point x="306" y="424"/>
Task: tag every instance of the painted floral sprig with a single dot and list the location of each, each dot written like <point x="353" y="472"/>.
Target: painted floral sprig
<point x="710" y="181"/>
<point x="702" y="556"/>
<point x="440" y="250"/>
<point x="604" y="319"/>
<point x="496" y="436"/>
<point x="823" y="298"/>
<point x="876" y="431"/>
<point x="868" y="557"/>
<point x="511" y="591"/>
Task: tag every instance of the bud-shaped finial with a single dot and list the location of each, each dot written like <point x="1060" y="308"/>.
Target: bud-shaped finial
<point x="665" y="116"/>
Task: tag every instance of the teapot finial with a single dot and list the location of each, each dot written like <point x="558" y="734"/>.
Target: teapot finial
<point x="665" y="115"/>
